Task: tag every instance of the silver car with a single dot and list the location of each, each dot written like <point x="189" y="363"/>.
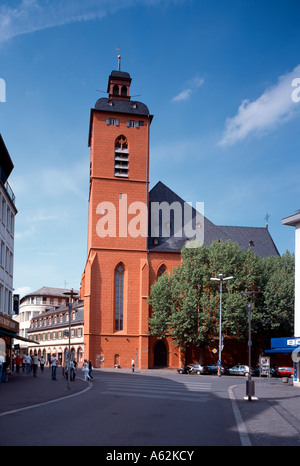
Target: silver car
<point x="240" y="369"/>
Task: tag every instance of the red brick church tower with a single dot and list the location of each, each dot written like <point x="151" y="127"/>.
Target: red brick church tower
<point x="122" y="259"/>
<point x="115" y="283"/>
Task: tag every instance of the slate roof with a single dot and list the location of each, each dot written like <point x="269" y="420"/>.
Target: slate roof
<point x="49" y="291"/>
<point x="262" y="242"/>
<point x="131" y="107"/>
<point x="79" y="317"/>
<point x="120" y="74"/>
<point x="6" y="165"/>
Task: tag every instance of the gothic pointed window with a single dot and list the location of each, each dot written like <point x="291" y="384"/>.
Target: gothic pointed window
<point x="162" y="269"/>
<point x="121" y="157"/>
<point x="119" y="297"/>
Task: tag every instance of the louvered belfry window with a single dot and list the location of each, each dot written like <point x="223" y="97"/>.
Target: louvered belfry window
<point x="121" y="157"/>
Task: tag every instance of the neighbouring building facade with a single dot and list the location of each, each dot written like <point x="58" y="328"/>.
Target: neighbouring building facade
<point x="123" y="260"/>
<point x="50" y="330"/>
<point x="35" y="303"/>
<point x="8" y="327"/>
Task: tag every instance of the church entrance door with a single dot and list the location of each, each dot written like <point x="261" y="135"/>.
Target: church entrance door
<point x="160" y="355"/>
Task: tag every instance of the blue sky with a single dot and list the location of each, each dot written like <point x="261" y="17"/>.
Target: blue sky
<point x="217" y="76"/>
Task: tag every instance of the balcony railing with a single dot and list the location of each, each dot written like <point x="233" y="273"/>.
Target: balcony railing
<point x="6" y="185"/>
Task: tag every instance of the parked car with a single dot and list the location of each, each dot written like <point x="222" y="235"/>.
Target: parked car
<point x="197" y="369"/>
<point x="193" y="369"/>
<point x="213" y="369"/>
<point x="182" y="370"/>
<point x="283" y="372"/>
<point x="240" y="369"/>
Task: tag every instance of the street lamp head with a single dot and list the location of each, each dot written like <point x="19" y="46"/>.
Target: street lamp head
<point x="71" y="293"/>
<point x="221" y="278"/>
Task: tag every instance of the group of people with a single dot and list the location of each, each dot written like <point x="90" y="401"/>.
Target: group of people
<point x="73" y="365"/>
<point x="27" y="363"/>
<point x="30" y="364"/>
<point x="87" y="369"/>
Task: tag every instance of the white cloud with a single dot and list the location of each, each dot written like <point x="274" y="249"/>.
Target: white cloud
<point x="185" y="94"/>
<point x="23" y="291"/>
<point x="28" y="233"/>
<point x="35" y="15"/>
<point x="275" y="106"/>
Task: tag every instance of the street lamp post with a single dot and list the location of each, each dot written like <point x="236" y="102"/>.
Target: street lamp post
<point x="221" y="279"/>
<point x="71" y="295"/>
<point x="250" y="388"/>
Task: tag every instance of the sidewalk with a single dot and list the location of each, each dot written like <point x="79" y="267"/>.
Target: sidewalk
<point x="274" y="419"/>
<point x="24" y="390"/>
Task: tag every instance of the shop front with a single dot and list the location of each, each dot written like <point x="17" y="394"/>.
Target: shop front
<point x="289" y="346"/>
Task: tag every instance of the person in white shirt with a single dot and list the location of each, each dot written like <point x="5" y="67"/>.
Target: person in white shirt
<point x="35" y="362"/>
<point x="28" y="364"/>
<point x="53" y="362"/>
<point x="85" y="369"/>
<point x="42" y="363"/>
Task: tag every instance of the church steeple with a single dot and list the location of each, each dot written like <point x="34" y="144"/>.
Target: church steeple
<point x="119" y="83"/>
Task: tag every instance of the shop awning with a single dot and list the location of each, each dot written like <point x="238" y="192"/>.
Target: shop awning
<point x="280" y="351"/>
<point x="6" y="333"/>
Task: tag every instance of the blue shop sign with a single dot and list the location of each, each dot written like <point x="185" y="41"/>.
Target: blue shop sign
<point x="284" y="345"/>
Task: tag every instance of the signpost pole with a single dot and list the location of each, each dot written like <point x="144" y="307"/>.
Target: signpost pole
<point x="71" y="295"/>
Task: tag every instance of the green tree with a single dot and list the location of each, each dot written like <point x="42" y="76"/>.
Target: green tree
<point x="185" y="303"/>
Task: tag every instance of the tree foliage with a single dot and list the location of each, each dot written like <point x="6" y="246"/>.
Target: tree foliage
<point x="185" y="303"/>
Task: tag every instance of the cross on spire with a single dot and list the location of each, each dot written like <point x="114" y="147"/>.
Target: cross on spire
<point x="267" y="219"/>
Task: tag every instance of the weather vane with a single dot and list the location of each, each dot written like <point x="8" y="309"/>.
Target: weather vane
<point x="267" y="218"/>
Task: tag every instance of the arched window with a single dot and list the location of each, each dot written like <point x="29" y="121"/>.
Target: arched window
<point x="124" y="91"/>
<point x="119" y="297"/>
<point x="121" y="157"/>
<point x="116" y="90"/>
<point x="162" y="269"/>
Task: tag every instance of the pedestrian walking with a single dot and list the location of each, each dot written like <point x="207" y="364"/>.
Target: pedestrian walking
<point x="132" y="365"/>
<point x="35" y="362"/>
<point x="23" y="362"/>
<point x="90" y="370"/>
<point x="85" y="370"/>
<point x="53" y="362"/>
<point x="42" y="363"/>
<point x="18" y="363"/>
<point x="28" y="363"/>
<point x="6" y="368"/>
<point x="13" y="362"/>
<point x="74" y="369"/>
